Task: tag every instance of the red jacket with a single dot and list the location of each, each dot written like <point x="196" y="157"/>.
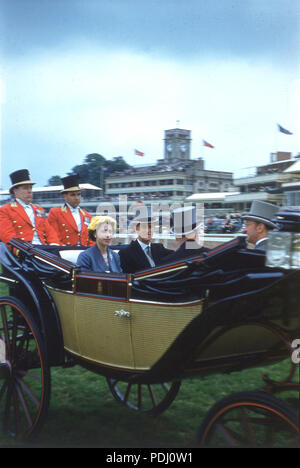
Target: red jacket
<point x="61" y="219"/>
<point x="14" y="222"/>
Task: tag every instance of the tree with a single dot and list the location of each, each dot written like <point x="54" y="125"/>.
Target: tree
<point x="94" y="169"/>
<point x="54" y="180"/>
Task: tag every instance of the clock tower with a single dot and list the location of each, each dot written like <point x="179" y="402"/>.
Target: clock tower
<point x="177" y="145"/>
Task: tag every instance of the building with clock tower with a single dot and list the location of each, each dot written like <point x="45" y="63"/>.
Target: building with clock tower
<point x="174" y="177"/>
<point x="177" y="145"/>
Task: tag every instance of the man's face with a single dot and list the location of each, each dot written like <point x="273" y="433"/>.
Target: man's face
<point x="145" y="232"/>
<point x="24" y="193"/>
<point x="252" y="230"/>
<point x="73" y="198"/>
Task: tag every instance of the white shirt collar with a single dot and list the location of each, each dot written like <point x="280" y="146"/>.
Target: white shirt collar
<point x="261" y="240"/>
<point x="22" y="203"/>
<point x="143" y="245"/>
<point x="73" y="210"/>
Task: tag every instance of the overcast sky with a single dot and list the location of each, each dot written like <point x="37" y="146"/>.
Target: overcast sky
<point x="109" y="76"/>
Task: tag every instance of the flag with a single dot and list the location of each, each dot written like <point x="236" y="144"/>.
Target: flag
<point x="283" y="130"/>
<point x="138" y="153"/>
<point x="205" y="143"/>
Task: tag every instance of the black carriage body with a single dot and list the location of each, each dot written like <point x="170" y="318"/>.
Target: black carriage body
<point x="25" y="284"/>
<point x="219" y="312"/>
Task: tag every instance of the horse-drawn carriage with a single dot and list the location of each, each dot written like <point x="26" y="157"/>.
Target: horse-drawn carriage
<point x="222" y="311"/>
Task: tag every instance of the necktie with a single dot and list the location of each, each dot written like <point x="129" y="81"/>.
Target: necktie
<point x="149" y="254"/>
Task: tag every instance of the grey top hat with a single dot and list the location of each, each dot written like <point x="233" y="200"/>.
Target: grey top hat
<point x="262" y="212"/>
<point x="184" y="221"/>
<point x="145" y="216"/>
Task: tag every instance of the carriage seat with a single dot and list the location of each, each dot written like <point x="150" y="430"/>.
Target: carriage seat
<point x="70" y="255"/>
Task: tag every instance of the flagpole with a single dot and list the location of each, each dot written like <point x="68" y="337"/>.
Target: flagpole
<point x="276" y="139"/>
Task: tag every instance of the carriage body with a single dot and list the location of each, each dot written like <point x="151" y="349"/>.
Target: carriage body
<point x="219" y="312"/>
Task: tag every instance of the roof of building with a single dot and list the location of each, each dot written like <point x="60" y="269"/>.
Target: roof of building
<point x="211" y="195"/>
<point x="294" y="167"/>
<point x="56" y="188"/>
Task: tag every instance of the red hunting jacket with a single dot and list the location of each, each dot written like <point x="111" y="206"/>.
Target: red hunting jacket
<point x="61" y="219"/>
<point x="14" y="222"/>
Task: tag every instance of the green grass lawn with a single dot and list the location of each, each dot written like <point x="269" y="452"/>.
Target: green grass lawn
<point x="83" y="412"/>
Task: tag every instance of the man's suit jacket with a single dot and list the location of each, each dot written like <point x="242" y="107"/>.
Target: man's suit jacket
<point x="92" y="260"/>
<point x="134" y="259"/>
<point x="261" y="245"/>
<point x="14" y="222"/>
<point x="184" y="252"/>
<point x="62" y="220"/>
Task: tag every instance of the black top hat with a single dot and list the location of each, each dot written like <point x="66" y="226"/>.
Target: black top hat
<point x="71" y="183"/>
<point x="20" y="177"/>
<point x="184" y="221"/>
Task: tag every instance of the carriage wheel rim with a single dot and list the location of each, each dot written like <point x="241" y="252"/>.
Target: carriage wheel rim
<point x="20" y="403"/>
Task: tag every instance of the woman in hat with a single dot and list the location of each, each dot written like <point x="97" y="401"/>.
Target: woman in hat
<point x="100" y="257"/>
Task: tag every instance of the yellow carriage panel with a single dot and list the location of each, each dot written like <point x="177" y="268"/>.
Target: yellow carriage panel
<point x="155" y="326"/>
<point x="102" y="336"/>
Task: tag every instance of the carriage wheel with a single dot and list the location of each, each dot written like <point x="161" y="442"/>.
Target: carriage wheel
<point x="250" y="419"/>
<point x="24" y="373"/>
<point x="148" y="398"/>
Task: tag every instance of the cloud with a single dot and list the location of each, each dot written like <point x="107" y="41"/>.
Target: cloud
<point x="111" y="76"/>
<point x="64" y="106"/>
<point x="268" y="28"/>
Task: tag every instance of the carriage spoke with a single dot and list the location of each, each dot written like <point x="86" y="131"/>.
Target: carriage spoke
<point x="250" y="419"/>
<point x="36" y="377"/>
<point x="148" y="398"/>
<point x="152" y="395"/>
<point x="246" y="423"/>
<point x="23" y="405"/>
<point x="5" y="330"/>
<point x="227" y="434"/>
<point x="25" y="389"/>
<point x="29" y="392"/>
<point x="127" y="393"/>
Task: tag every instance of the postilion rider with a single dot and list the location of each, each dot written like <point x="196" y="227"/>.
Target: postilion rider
<point x="70" y="221"/>
<point x="22" y="219"/>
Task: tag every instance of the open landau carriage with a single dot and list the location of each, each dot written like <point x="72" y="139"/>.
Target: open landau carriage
<point x="223" y="311"/>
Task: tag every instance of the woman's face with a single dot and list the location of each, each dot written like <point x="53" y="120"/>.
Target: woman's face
<point x="104" y="235"/>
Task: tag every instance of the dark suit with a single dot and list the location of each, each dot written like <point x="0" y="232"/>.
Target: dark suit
<point x="134" y="259"/>
<point x="183" y="252"/>
<point x="261" y="245"/>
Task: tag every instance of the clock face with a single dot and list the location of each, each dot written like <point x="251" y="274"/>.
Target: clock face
<point x="183" y="147"/>
<point x="169" y="147"/>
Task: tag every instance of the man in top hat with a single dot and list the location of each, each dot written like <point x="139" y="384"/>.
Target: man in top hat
<point x="23" y="220"/>
<point x="258" y="222"/>
<point x="141" y="253"/>
<point x="186" y="228"/>
<point x="70" y="221"/>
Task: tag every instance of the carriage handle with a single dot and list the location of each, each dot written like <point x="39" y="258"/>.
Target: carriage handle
<point x="122" y="313"/>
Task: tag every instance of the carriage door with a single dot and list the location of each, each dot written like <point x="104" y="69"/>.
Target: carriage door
<point x="104" y="332"/>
